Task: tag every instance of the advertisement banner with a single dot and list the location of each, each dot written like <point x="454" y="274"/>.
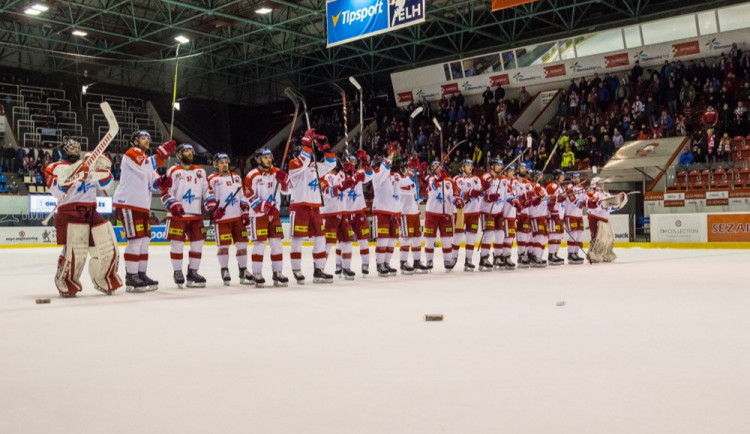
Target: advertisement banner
<point x="46" y="203"/>
<point x="405" y="96"/>
<point x="678" y="228"/>
<point x="28" y="235"/>
<point x="554" y="71"/>
<point x="500" y="80"/>
<point x="504" y="4"/>
<point x="728" y="227"/>
<point x="349" y="20"/>
<point x="616" y="60"/>
<point x="449" y="88"/>
<point x="685" y="48"/>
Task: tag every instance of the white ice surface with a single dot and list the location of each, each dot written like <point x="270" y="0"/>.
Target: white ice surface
<point x="658" y="342"/>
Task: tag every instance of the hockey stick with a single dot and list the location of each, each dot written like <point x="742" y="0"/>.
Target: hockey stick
<point x="550" y="157"/>
<point x="229" y="200"/>
<point x="77" y="174"/>
<point x="450" y="151"/>
<point x="307" y="120"/>
<point x="413" y="115"/>
<point x="289" y="93"/>
<point x="356" y="84"/>
<point x="174" y="89"/>
<point x="581" y="246"/>
<point x="442" y="160"/>
<point x="343" y="102"/>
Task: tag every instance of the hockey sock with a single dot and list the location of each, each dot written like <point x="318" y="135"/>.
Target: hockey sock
<point x="223" y="255"/>
<point x="257" y="258"/>
<point x="405" y="244"/>
<point x="416" y="249"/>
<point x="554" y="243"/>
<point x="319" y="252"/>
<point x="380" y="248"/>
<point x="143" y="256"/>
<point x="194" y="261"/>
<point x="296" y="253"/>
<point x="448" y="250"/>
<point x="339" y="261"/>
<point x="241" y="253"/>
<point x="364" y="251"/>
<point x="429" y="248"/>
<point x="176" y="254"/>
<point x="389" y="249"/>
<point x="470" y="238"/>
<point x="345" y="253"/>
<point x="132" y="255"/>
<point x="277" y="258"/>
<point x="498" y="247"/>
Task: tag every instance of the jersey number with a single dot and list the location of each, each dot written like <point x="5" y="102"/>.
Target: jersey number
<point x="188" y="196"/>
<point x="314" y="184"/>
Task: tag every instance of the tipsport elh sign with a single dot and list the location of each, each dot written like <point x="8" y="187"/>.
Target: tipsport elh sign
<point x="349" y="20"/>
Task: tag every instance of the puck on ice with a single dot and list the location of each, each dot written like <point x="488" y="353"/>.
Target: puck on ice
<point x="561" y="303"/>
<point x="433" y="317"/>
<point x="42" y="301"/>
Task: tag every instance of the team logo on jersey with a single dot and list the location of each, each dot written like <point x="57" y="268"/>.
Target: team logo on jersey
<point x="199" y="174"/>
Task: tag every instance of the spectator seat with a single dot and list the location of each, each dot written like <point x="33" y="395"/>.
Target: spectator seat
<point x="720" y="179"/>
<point x="744" y="177"/>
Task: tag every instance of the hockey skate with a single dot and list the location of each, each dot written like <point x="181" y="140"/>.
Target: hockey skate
<point x="299" y="277"/>
<point x="245" y="277"/>
<point x="97" y="287"/>
<point x="259" y="280"/>
<point x="153" y="285"/>
<point x="365" y="270"/>
<point x="179" y="278"/>
<point x="523" y="261"/>
<point x="195" y="280"/>
<point x="484" y="263"/>
<point x="319" y="276"/>
<point x="406" y="269"/>
<point x="536" y="262"/>
<point x="383" y="271"/>
<point x="225" y="276"/>
<point x="468" y="266"/>
<point x="509" y="265"/>
<point x="392" y="271"/>
<point x="498" y="261"/>
<point x="279" y="279"/>
<point x="449" y="265"/>
<point x="338" y="271"/>
<point x="553" y="259"/>
<point x="574" y="259"/>
<point x="134" y="283"/>
<point x="429" y="266"/>
<point x="348" y="274"/>
<point x="419" y="268"/>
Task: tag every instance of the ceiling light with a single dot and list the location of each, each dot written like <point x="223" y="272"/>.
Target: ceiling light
<point x="263" y="10"/>
<point x="31" y="11"/>
<point x="79" y="33"/>
<point x="181" y="39"/>
<point x="40" y="7"/>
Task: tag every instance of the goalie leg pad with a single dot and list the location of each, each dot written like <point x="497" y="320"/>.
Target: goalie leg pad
<point x="608" y="239"/>
<point x="105" y="258"/>
<point x="70" y="265"/>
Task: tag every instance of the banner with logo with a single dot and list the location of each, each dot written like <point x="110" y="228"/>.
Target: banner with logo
<point x="46" y="203"/>
<point x="728" y="227"/>
<point x="678" y="228"/>
<point x="349" y="20"/>
<point x="28" y="235"/>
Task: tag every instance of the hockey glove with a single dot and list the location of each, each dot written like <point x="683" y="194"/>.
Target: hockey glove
<point x="176" y="209"/>
<point x="322" y="143"/>
<point x="459" y="203"/>
<point x="493" y="197"/>
<point x="166" y="149"/>
<point x="536" y="201"/>
<point x="218" y="213"/>
<point x="245" y="219"/>
<point x="362" y="157"/>
<point x="475" y="193"/>
<point x="282" y="177"/>
<point x="348" y="183"/>
<point x="164" y="183"/>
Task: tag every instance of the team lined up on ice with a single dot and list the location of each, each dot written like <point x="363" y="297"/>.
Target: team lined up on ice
<point x="326" y="204"/>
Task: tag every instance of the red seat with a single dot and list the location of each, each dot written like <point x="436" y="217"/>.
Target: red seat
<point x="719" y="179"/>
<point x="739" y="141"/>
<point x="680" y="181"/>
<point x="700" y="182"/>
<point x="693" y="178"/>
<point x="737" y="154"/>
<point x="736" y="181"/>
<point x="744" y="177"/>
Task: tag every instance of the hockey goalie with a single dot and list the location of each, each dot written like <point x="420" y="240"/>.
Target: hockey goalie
<point x="81" y="230"/>
<point x="600" y="204"/>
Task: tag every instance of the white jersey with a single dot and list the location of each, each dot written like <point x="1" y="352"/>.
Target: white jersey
<point x="595" y="208"/>
<point x="334" y="195"/>
<point x="465" y="185"/>
<point x="490" y="186"/>
<point x="386" y="194"/>
<point x="512" y="190"/>
<point x="440" y="192"/>
<point x="189" y="188"/>
<point x="354" y="199"/>
<point x="221" y="188"/>
<point x="408" y="187"/>
<point x="260" y="186"/>
<point x="539" y="192"/>
<point x="556" y="200"/>
<point x="305" y="185"/>
<point x="137" y="180"/>
<point x="81" y="192"/>
<point x="525" y="188"/>
<point x="575" y="200"/>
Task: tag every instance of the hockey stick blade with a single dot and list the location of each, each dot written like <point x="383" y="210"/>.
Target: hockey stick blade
<point x="416" y="112"/>
<point x="289" y="93"/>
<point x="437" y="124"/>
<point x="355" y="83"/>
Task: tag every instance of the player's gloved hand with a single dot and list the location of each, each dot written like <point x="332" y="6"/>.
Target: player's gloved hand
<point x="493" y="197"/>
<point x="164" y="183"/>
<point x="264" y="208"/>
<point x="459" y="203"/>
<point x="362" y="157"/>
<point x="347" y="183"/>
<point x="442" y="173"/>
<point x="176" y="209"/>
<point x="517" y="204"/>
<point x="281" y="176"/>
<point x="166" y="149"/>
<point x="536" y="201"/>
<point x="218" y="213"/>
<point x="348" y="169"/>
<point x="245" y="219"/>
<point x="322" y="143"/>
<point x="475" y="193"/>
<point x="359" y="176"/>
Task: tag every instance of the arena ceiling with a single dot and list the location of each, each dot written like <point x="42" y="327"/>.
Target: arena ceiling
<point x="237" y="55"/>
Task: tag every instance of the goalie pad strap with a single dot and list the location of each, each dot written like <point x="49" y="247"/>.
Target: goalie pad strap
<point x="105" y="257"/>
<point x="70" y="265"/>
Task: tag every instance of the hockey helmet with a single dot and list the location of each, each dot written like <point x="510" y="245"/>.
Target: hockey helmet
<point x="496" y="161"/>
<point x="597" y="181"/>
<point x="137" y="134"/>
<point x="218" y="157"/>
<point x="184" y="147"/>
<point x="576" y="175"/>
<point x="71" y="150"/>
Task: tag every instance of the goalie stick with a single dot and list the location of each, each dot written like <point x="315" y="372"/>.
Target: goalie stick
<point x="77" y="174"/>
<point x="356" y="84"/>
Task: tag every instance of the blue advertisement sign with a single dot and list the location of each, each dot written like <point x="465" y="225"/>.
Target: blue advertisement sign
<point x="158" y="234"/>
<point x="349" y="20"/>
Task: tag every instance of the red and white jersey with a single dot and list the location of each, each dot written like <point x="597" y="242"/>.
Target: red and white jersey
<point x="525" y="187"/>
<point x="333" y="193"/>
<point x="575" y="200"/>
<point x="556" y="200"/>
<point x="189" y="188"/>
<point x="260" y="186"/>
<point x="385" y="191"/>
<point x="305" y="185"/>
<point x="80" y="193"/>
<point x="220" y="188"/>
<point x="354" y="199"/>
<point x="408" y="187"/>
<point x="465" y="185"/>
<point x="595" y="208"/>
<point x="512" y="190"/>
<point x="439" y="192"/>
<point x="137" y="180"/>
<point x="492" y="185"/>
<point x="540" y="193"/>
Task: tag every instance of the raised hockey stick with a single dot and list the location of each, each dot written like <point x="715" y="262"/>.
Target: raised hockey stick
<point x="78" y="173"/>
<point x="307" y="120"/>
<point x="442" y="160"/>
<point x="551" y="154"/>
<point x="342" y="92"/>
<point x="413" y="115"/>
<point x="453" y="148"/>
<point x="356" y="84"/>
<point x="174" y="89"/>
<point x="289" y="93"/>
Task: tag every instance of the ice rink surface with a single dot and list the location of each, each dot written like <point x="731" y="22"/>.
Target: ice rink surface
<point x="658" y="342"/>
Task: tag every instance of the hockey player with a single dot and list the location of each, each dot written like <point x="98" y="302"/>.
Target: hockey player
<point x="132" y="201"/>
<point x="556" y="213"/>
<point x="442" y="196"/>
<point x="263" y="186"/>
<point x="411" y="226"/>
<point x="184" y="189"/>
<point x="469" y="189"/>
<point x="600" y="204"/>
<point x="81" y="230"/>
<point x="304" y="208"/>
<point x="511" y="208"/>
<point x="575" y="200"/>
<point x="336" y="221"/>
<point x="538" y="217"/>
<point x="228" y="209"/>
<point x="525" y="187"/>
<point x="356" y="208"/>
<point x="491" y="207"/>
<point x="386" y="212"/>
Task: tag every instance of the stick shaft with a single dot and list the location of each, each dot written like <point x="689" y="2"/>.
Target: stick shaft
<point x="174" y="91"/>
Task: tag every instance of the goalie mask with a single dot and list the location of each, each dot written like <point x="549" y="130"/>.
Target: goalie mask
<point x="71" y="151"/>
<point x="185" y="153"/>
